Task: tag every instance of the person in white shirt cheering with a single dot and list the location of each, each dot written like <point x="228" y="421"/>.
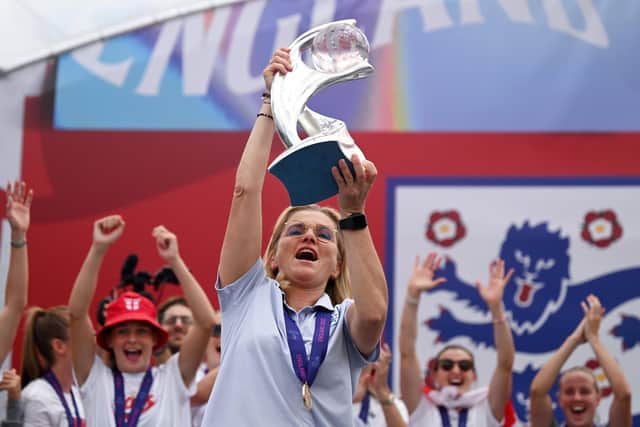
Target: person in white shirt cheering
<point x="454" y="401"/>
<point x="130" y="392"/>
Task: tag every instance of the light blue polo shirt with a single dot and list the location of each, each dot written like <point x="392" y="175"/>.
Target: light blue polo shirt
<point x="256" y="384"/>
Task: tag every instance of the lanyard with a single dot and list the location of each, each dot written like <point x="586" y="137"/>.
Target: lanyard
<point x="53" y="380"/>
<point x="364" y="407"/>
<point x="306" y="368"/>
<point x="139" y="402"/>
<point x="446" y="422"/>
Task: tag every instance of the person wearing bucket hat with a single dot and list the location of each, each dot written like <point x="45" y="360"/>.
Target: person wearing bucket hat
<point x="130" y="389"/>
<point x="131" y="306"/>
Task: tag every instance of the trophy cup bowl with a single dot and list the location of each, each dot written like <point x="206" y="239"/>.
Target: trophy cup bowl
<point x="339" y="52"/>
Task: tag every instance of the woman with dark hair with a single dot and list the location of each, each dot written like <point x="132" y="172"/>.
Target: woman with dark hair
<point x="130" y="391"/>
<point x="293" y="340"/>
<point x="578" y="391"/>
<point x="455" y="400"/>
<point x="49" y="395"/>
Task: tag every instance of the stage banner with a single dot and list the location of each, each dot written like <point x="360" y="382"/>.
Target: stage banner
<point x="565" y="239"/>
<point x="441" y="65"/>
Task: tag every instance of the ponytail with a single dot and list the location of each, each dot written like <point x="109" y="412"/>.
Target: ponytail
<point x="42" y="326"/>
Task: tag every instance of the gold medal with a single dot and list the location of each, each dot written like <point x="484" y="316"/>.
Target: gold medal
<point x="306" y="396"/>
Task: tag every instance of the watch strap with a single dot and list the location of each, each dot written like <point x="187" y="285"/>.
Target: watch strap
<point x="356" y="221"/>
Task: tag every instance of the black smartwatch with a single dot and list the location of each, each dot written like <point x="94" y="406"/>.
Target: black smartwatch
<point x="356" y="221"/>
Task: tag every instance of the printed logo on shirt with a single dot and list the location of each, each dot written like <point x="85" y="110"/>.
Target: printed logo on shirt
<point x="128" y="404"/>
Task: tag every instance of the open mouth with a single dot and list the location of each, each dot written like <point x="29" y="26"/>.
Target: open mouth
<point x="133" y="355"/>
<point x="578" y="409"/>
<point x="456" y="382"/>
<point x="306" y="254"/>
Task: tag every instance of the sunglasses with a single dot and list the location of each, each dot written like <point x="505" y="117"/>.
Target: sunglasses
<point x="322" y="232"/>
<point x="185" y="320"/>
<point x="448" y="364"/>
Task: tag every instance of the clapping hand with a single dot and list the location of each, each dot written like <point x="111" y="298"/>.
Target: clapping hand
<point x="593" y="312"/>
<point x="379" y="383"/>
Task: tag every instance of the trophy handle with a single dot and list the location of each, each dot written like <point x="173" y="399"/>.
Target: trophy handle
<point x="305" y="166"/>
<point x="290" y="92"/>
<point x="326" y="128"/>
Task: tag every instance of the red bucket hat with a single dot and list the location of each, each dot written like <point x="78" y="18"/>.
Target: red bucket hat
<point x="131" y="306"/>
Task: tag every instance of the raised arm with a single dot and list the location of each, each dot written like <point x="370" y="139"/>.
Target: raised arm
<point x="368" y="313"/>
<point x="500" y="386"/>
<point x="195" y="343"/>
<point x="421" y="280"/>
<point x="105" y="231"/>
<point x="541" y="404"/>
<point x="243" y="237"/>
<point x="620" y="409"/>
<point x="18" y="213"/>
<point x="380" y="387"/>
<point x="205" y="387"/>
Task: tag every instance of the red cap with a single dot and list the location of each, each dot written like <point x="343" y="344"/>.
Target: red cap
<point x="131" y="306"/>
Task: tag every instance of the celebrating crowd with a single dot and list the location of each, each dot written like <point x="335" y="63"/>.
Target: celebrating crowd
<point x="297" y="341"/>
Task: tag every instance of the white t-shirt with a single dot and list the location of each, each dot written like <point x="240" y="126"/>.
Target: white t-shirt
<point x="375" y="416"/>
<point x="427" y="414"/>
<point x="168" y="402"/>
<point x="197" y="411"/>
<point x="42" y="407"/>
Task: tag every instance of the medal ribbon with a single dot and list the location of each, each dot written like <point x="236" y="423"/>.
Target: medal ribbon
<point x="55" y="384"/>
<point x="139" y="402"/>
<point x="306" y="368"/>
<point x="446" y="422"/>
<point x="364" y="407"/>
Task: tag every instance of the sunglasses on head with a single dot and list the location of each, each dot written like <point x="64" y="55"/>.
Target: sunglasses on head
<point x="448" y="364"/>
<point x="322" y="232"/>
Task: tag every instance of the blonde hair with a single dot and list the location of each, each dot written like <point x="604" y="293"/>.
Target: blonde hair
<point x="337" y="288"/>
<point x="584" y="370"/>
<point x="42" y="326"/>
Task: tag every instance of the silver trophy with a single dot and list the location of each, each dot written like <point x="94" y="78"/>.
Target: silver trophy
<point x="339" y="52"/>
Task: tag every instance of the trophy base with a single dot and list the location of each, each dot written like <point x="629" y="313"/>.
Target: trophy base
<point x="306" y="171"/>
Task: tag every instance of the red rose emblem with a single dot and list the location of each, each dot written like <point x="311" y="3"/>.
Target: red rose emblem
<point x="601" y="228"/>
<point x="445" y="228"/>
<point x="601" y="377"/>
